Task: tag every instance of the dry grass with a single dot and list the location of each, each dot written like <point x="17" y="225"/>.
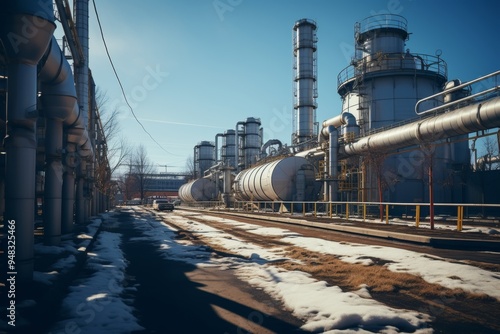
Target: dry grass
<point x="378" y="278"/>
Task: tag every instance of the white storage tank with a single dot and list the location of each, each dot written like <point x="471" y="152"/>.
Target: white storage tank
<point x="228" y="151"/>
<point x="287" y="179"/>
<point x="198" y="191"/>
<point x="204" y="157"/>
<point x="252" y="141"/>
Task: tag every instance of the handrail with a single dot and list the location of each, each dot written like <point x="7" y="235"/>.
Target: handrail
<point x="448" y="91"/>
<point x="392" y="61"/>
<point x="382" y="21"/>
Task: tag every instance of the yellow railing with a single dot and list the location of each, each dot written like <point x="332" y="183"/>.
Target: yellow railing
<point x="368" y="211"/>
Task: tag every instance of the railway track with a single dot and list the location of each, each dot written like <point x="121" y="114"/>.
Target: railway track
<point x="452" y="309"/>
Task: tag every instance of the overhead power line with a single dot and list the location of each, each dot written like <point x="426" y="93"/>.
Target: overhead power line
<point x="120" y="83"/>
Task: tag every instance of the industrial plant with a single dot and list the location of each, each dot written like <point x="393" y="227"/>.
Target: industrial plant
<point x="402" y="134"/>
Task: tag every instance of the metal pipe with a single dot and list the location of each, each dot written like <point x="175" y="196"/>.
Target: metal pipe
<point x="337" y="121"/>
<point x="480" y="163"/>
<point x="269" y="143"/>
<point x="333" y="162"/>
<point x="81" y="170"/>
<point x="27" y="33"/>
<point x="456" y="88"/>
<point x="81" y="11"/>
<point x="53" y="181"/>
<point x="461" y="121"/>
<point x="195" y="176"/>
<point x="227" y="183"/>
<point x="237" y="141"/>
<point x="59" y="100"/>
<point x="217" y="146"/>
<point x="71" y="160"/>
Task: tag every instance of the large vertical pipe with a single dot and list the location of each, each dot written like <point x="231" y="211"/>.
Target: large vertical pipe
<point x="81" y="12"/>
<point x="238" y="149"/>
<point x="96" y="141"/>
<point x="304" y="49"/>
<point x="29" y="28"/>
<point x="58" y="99"/>
<point x="53" y="181"/>
<point x="333" y="161"/>
<point x="68" y="191"/>
<point x="217" y="146"/>
<point x="80" y="200"/>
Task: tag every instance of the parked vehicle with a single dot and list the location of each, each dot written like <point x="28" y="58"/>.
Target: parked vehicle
<point x="162" y="204"/>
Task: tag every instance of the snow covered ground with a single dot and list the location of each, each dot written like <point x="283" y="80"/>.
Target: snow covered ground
<point x="323" y="308"/>
<point x="95" y="305"/>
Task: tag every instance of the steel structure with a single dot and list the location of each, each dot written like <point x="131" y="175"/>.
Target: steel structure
<point x="380" y="88"/>
<point x="305" y="82"/>
<point x="48" y="142"/>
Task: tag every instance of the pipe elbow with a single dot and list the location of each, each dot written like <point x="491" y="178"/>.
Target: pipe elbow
<point x="85" y="146"/>
<point x="56" y="75"/>
<point x="34" y="16"/>
<point x="348" y="119"/>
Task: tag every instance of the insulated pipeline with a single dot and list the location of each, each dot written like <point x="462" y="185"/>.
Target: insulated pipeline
<point x="461" y="121"/>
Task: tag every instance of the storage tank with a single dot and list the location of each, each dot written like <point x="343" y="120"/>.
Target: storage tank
<point x="287" y="179"/>
<point x="228" y="152"/>
<point x="249" y="142"/>
<point x="204" y="157"/>
<point x="198" y="190"/>
<point x="380" y="88"/>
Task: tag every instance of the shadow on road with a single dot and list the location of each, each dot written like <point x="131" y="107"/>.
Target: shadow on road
<point x="167" y="301"/>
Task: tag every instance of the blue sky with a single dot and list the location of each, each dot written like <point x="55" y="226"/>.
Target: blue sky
<point x="194" y="68"/>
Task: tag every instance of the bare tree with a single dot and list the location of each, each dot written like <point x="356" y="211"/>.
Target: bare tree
<point x="112" y="149"/>
<point x="190" y="167"/>
<point x="385" y="178"/>
<point x="128" y="182"/>
<point x="142" y="168"/>
<point x="117" y="147"/>
<point x="491" y="150"/>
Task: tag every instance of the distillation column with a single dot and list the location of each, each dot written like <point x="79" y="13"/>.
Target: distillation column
<point x="305" y="85"/>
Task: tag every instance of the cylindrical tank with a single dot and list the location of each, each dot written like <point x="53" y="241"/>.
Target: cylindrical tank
<point x="252" y="140"/>
<point x="305" y="85"/>
<point x="198" y="190"/>
<point x="204" y="156"/>
<point x="228" y="154"/>
<point x="380" y="88"/>
<point x="381" y="34"/>
<point x="277" y="181"/>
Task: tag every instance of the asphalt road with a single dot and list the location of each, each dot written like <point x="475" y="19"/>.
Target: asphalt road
<point x="175" y="297"/>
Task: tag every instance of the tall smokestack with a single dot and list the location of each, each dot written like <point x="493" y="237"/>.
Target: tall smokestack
<point x="305" y="84"/>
